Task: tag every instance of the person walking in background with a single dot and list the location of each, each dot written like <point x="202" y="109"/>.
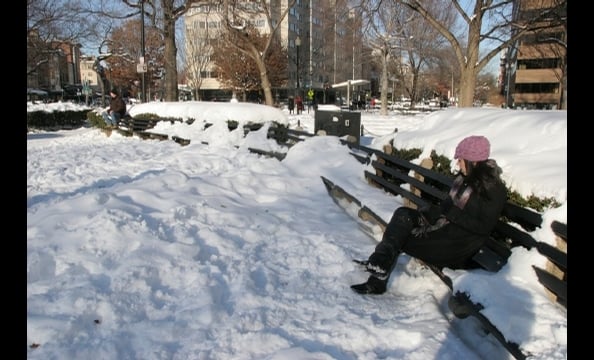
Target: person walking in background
<point x="450" y="234"/>
<point x="116" y="110"/>
<point x="299" y="104"/>
<point x="291" y="104"/>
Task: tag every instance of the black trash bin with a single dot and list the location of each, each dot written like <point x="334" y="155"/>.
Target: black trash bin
<point x="339" y="123"/>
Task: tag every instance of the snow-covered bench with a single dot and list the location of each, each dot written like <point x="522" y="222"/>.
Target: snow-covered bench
<point x="130" y="125"/>
<point x="285" y="137"/>
<point x="139" y="126"/>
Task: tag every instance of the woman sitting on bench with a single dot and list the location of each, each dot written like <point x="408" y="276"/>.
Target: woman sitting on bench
<point x="448" y="235"/>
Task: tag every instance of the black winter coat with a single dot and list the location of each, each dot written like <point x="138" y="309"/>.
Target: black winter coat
<point x="453" y="241"/>
<point x="466" y="231"/>
<point x="118" y="105"/>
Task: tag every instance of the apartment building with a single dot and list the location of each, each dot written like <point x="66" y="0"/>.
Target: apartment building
<point x="322" y="37"/>
<point x="53" y="67"/>
<point x="535" y="71"/>
<point x="88" y="75"/>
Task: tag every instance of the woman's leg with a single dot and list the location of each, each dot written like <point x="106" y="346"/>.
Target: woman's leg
<point x="383" y="259"/>
<point x="394" y="238"/>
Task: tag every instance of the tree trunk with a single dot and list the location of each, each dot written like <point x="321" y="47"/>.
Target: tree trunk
<point x="466" y="88"/>
<point x="268" y="98"/>
<point x="170" y="53"/>
<point x="468" y="64"/>
<point x="384" y="80"/>
<point x="467" y="56"/>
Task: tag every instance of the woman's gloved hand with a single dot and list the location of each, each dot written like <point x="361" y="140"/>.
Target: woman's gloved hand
<point x="424" y="229"/>
<point x="431" y="213"/>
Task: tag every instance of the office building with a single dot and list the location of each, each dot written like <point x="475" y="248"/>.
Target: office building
<point x="535" y="65"/>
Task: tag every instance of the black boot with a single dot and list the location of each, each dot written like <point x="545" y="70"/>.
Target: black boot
<point x="373" y="285"/>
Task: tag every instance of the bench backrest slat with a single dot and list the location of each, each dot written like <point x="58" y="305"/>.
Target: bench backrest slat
<point x="553" y="284"/>
<point x="559" y="229"/>
<point x="421" y="185"/>
<point x="528" y="219"/>
<point x="397" y="190"/>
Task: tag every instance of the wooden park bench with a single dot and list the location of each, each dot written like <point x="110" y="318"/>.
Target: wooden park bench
<point x="426" y="186"/>
<point x="129" y="126"/>
<point x="283" y="136"/>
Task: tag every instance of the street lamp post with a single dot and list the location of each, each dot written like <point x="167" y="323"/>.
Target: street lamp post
<point x="507" y="71"/>
<point x="298" y="44"/>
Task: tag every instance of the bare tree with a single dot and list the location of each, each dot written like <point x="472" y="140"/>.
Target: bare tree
<point x="75" y="20"/>
<point x="239" y="72"/>
<point x="383" y="36"/>
<point x="107" y="15"/>
<point x="124" y="46"/>
<point x="50" y="22"/>
<point x="170" y="14"/>
<point x="99" y="67"/>
<point x="488" y="23"/>
<point x="403" y="45"/>
<point x="236" y="71"/>
<point x="446" y="73"/>
<point x="163" y="15"/>
<point x="237" y="14"/>
<point x="423" y="49"/>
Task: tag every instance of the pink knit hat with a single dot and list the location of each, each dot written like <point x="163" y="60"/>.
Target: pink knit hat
<point x="473" y="148"/>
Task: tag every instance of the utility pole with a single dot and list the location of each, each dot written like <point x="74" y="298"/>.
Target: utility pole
<point x="298" y="45"/>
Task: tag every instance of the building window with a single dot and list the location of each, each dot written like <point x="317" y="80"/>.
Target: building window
<point x="536" y="88"/>
<point x="550" y="63"/>
<point x="544" y="38"/>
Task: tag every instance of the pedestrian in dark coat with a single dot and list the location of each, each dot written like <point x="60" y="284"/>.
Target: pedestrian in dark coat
<point x="448" y="235"/>
<point x="299" y="104"/>
<point x="117" y="109"/>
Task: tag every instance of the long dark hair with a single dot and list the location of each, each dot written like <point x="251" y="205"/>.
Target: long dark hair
<point x="482" y="175"/>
